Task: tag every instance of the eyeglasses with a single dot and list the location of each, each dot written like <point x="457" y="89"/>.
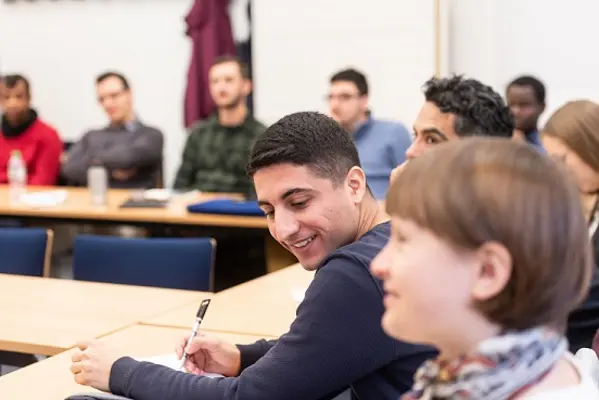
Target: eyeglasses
<point x="341" y="96"/>
<point x="110" y="96"/>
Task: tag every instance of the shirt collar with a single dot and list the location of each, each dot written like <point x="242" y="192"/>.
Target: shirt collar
<point x="129" y="126"/>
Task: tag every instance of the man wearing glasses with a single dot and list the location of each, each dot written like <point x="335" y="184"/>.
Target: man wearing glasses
<point x="381" y="144"/>
<point x="129" y="150"/>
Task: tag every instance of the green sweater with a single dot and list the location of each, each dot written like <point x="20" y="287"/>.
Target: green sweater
<point x="215" y="156"/>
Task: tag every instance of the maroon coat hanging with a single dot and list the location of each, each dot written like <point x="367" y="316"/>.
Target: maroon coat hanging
<point x="209" y="27"/>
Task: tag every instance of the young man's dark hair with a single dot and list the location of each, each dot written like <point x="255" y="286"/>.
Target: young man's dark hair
<point x="354" y="76"/>
<point x="306" y="139"/>
<point x="537" y="86"/>
<point x="10" y="81"/>
<point x="243" y="67"/>
<point x="112" y="74"/>
<point x="479" y="110"/>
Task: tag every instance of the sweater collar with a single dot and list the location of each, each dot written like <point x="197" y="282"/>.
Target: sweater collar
<point x="9" y="130"/>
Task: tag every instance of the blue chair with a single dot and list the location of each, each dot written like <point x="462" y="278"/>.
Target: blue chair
<point x="178" y="263"/>
<point x="26" y="251"/>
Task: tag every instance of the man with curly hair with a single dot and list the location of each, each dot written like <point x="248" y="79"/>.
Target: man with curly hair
<point x="456" y="107"/>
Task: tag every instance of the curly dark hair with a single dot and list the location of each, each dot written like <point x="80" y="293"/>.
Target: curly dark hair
<point x="479" y="110"/>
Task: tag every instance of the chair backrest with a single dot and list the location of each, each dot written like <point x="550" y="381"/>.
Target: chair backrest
<point x="178" y="263"/>
<point x="26" y="251"/>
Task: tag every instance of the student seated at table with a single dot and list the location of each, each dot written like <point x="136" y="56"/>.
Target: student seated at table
<point x="381" y="144"/>
<point x="488" y="255"/>
<point x="308" y="179"/>
<point x="21" y="129"/>
<point x="130" y="150"/>
<point x="217" y="149"/>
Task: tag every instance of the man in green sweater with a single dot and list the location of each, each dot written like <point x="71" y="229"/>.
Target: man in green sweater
<point x="217" y="149"/>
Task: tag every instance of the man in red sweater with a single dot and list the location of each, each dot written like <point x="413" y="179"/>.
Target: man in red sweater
<point x="21" y="129"/>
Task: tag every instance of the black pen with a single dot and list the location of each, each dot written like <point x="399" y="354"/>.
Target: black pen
<point x="194" y="330"/>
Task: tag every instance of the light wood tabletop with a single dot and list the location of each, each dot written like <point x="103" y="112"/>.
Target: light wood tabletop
<point x="263" y="306"/>
<point x="47" y="316"/>
<point x="78" y="206"/>
<point x="51" y="379"/>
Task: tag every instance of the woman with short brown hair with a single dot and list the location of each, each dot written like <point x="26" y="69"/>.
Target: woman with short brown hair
<point x="488" y="255"/>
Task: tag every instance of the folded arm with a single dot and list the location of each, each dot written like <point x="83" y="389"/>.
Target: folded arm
<point x="144" y="151"/>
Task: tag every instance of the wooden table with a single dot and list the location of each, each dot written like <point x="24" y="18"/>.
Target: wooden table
<point x="78" y="208"/>
<point x="51" y="379"/>
<point x="263" y="306"/>
<point x="47" y="316"/>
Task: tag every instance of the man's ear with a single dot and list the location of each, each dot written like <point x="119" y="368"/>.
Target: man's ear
<point x="247" y="86"/>
<point x="356" y="183"/>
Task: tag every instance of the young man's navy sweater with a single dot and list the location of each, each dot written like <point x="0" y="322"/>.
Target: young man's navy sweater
<point x="335" y="342"/>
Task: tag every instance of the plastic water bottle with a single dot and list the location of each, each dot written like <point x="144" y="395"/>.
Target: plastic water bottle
<point x="97" y="183"/>
<point x="17" y="176"/>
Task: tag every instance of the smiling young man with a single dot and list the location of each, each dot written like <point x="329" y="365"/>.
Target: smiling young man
<point x="309" y="182"/>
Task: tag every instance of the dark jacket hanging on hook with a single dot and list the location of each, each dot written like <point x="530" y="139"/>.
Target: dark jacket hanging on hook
<point x="209" y="28"/>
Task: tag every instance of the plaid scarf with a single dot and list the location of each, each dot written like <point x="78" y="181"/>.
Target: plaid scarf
<point x="499" y="369"/>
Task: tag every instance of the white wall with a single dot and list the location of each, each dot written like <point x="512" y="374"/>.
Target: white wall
<point x="555" y="40"/>
<point x="298" y="45"/>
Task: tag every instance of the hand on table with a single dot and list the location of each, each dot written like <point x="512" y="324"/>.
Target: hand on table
<point x="92" y="363"/>
<point x="123" y="174"/>
<point x="207" y="353"/>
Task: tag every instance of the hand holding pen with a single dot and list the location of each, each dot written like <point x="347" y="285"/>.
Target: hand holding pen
<point x="194" y="330"/>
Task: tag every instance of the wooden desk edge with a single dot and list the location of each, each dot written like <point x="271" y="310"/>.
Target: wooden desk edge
<point x="229" y="221"/>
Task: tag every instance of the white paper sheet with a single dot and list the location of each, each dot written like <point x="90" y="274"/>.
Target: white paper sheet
<point x="170" y="360"/>
<point x="50" y="198"/>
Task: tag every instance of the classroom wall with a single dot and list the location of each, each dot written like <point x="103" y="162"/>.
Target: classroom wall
<point x="498" y="40"/>
<point x="298" y="45"/>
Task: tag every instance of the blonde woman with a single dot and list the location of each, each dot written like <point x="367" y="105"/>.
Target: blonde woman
<point x="488" y="255"/>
